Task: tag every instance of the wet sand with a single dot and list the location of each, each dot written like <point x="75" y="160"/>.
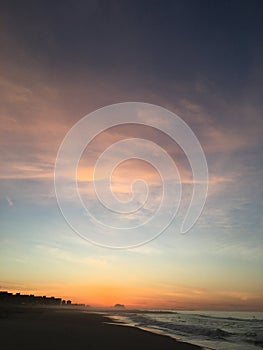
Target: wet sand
<point x="39" y="328"/>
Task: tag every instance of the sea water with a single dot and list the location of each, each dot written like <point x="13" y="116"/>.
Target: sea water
<point x="216" y="330"/>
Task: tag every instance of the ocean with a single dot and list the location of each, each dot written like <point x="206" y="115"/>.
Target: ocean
<point x="215" y="330"/>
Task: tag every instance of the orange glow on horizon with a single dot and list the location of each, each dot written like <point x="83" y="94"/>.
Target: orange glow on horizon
<point x="108" y="296"/>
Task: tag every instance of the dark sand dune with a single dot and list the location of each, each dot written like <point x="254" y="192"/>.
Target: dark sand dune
<point x="25" y="328"/>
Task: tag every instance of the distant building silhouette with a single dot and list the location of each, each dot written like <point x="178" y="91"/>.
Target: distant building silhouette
<point x="24" y="299"/>
<point x="28" y="299"/>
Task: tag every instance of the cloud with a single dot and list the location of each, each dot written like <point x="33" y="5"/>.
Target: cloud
<point x="146" y="250"/>
<point x="9" y="201"/>
<point x="247" y="252"/>
<point x="65" y="255"/>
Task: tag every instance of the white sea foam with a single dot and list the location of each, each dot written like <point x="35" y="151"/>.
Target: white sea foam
<point x="212" y="330"/>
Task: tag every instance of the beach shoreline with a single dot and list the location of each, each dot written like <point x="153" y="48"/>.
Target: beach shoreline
<point x="61" y="328"/>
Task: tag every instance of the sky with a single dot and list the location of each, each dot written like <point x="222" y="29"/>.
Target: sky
<point x="199" y="59"/>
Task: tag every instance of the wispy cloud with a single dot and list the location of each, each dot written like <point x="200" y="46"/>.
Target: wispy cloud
<point x="247" y="252"/>
<point x="146" y="250"/>
<point x="68" y="256"/>
<point x="9" y="201"/>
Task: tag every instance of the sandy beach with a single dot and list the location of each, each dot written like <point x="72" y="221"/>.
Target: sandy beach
<point x="42" y="328"/>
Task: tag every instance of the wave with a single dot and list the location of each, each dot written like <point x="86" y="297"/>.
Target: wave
<point x="218" y="332"/>
<point x="182" y="328"/>
<point x="230" y="318"/>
